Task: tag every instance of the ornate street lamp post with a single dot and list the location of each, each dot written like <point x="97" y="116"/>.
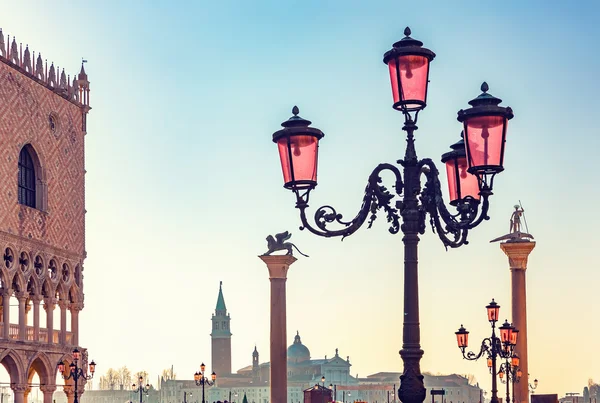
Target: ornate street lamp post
<point x="75" y="372"/>
<point x="492" y="347"/>
<point x="471" y="166"/>
<point x="533" y="387"/>
<point x="141" y="389"/>
<point x="201" y="380"/>
<point x="510" y="369"/>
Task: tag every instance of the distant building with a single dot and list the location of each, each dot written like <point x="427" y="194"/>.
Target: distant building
<point x="304" y="372"/>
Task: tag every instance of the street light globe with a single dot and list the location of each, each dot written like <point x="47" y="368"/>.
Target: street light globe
<point x="461" y="184"/>
<point x="298" y="146"/>
<point x="462" y="337"/>
<point x="493" y="311"/>
<point x="408" y="63"/>
<point x="485" y="125"/>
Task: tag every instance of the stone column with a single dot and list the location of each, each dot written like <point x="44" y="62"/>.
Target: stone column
<point x="36" y="317"/>
<point x="6" y="316"/>
<point x="19" y="392"/>
<point x="278" y="267"/>
<point x="75" y="324"/>
<point x="518" y="251"/>
<point x="49" y="307"/>
<point x="63" y="321"/>
<point x="22" y="298"/>
<point x="48" y="391"/>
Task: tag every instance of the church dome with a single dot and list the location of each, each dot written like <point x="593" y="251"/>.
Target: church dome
<point x="297" y="352"/>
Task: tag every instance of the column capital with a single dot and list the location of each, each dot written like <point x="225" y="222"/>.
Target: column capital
<point x="63" y="304"/>
<point x="517" y="252"/>
<point x="48" y="388"/>
<point x="278" y="265"/>
<point x="76" y="307"/>
<point x="6" y="292"/>
<point x="21" y="295"/>
<point x="36" y="299"/>
<point x="19" y="387"/>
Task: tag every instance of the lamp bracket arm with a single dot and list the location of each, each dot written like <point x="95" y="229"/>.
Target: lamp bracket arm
<point x="485" y="348"/>
<point x="446" y="225"/>
<point x="376" y="196"/>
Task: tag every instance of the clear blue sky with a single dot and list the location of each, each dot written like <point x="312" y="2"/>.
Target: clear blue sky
<point x="184" y="183"/>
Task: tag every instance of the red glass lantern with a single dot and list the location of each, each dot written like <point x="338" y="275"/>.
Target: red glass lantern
<point x="515" y="361"/>
<point x="298" y="146"/>
<point x="514" y="336"/>
<point x="76" y="355"/>
<point x="196" y="376"/>
<point x="461" y="184"/>
<point x="92" y="367"/>
<point x="61" y="367"/>
<point x="462" y="337"/>
<point x="505" y="332"/>
<point x="485" y="125"/>
<point x="72" y="367"/>
<point x="214" y="376"/>
<point x="202" y="368"/>
<point x="408" y="62"/>
<point x="493" y="310"/>
<point x="490" y="363"/>
<point x="501" y="373"/>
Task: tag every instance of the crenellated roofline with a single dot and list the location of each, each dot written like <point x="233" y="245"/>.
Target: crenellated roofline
<point x="25" y="62"/>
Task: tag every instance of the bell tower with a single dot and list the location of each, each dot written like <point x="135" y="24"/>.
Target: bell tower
<point x="221" y="337"/>
<point x="255" y="366"/>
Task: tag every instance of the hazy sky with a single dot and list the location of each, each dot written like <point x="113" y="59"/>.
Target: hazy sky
<point x="184" y="183"/>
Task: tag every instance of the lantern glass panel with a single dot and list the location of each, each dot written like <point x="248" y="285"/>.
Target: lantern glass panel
<point x="493" y="313"/>
<point x="490" y="363"/>
<point x="514" y="337"/>
<point x="505" y="331"/>
<point x="413" y="72"/>
<point x="515" y="361"/>
<point x="462" y="338"/>
<point x="303" y="149"/>
<point x="485" y="138"/>
<point x="467" y="185"/>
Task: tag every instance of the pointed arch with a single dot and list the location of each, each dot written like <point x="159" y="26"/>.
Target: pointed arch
<point x="32" y="189"/>
<point x="13" y="364"/>
<point x="47" y="289"/>
<point x="33" y="285"/>
<point x="41" y="364"/>
<point x="74" y="297"/>
<point x="18" y="283"/>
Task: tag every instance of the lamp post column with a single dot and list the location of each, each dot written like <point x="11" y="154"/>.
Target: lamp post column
<point x="412" y="389"/>
<point x="518" y="251"/>
<point x="278" y="267"/>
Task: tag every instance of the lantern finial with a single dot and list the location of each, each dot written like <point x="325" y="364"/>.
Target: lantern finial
<point x="485" y="87"/>
<point x="295" y="110"/>
<point x="407" y="31"/>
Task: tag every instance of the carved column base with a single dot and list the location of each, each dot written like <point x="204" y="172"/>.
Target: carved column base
<point x="412" y="389"/>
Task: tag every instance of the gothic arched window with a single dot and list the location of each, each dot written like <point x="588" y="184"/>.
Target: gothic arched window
<point x="27" y="179"/>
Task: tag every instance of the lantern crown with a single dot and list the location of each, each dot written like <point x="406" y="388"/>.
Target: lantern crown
<point x="485" y="104"/>
<point x="407" y="46"/>
<point x="297" y="125"/>
<point x="457" y="150"/>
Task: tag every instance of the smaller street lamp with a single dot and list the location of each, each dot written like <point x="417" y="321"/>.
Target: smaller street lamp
<point x="510" y="373"/>
<point x="323" y="381"/>
<point x="76" y="372"/>
<point x="201" y="380"/>
<point x="493" y="347"/>
<point x="141" y="389"/>
<point x="533" y="387"/>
